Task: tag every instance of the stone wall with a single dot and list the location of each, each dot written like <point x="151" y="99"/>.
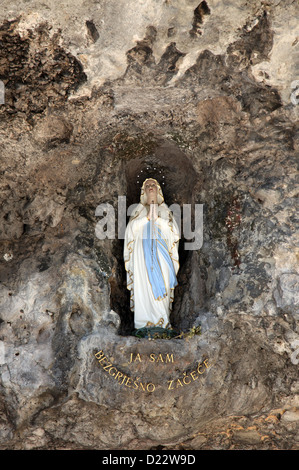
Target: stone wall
<point x="98" y="95"/>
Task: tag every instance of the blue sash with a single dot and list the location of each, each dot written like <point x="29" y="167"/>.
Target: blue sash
<point x="151" y="246"/>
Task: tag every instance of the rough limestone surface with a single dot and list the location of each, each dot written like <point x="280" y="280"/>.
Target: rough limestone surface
<point x="95" y="96"/>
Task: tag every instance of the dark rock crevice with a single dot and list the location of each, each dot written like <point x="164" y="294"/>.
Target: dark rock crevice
<point x="200" y="12"/>
<point x="173" y="170"/>
<point x="36" y="71"/>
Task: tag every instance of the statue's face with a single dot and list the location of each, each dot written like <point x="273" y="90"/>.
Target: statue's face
<point x="151" y="191"/>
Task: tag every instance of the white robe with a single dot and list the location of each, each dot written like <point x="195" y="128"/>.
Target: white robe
<point x="149" y="311"/>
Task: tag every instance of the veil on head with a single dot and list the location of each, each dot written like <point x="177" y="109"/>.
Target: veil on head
<point x="143" y="198"/>
<point x="141" y="209"/>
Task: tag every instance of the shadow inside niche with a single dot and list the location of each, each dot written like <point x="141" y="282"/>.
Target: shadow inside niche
<point x="177" y="177"/>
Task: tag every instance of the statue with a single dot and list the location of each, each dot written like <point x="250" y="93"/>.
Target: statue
<point x="151" y="258"/>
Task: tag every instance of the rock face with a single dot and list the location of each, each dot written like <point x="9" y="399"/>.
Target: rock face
<point x="99" y="96"/>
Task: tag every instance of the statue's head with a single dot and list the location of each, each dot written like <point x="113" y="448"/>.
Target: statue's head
<point x="151" y="192"/>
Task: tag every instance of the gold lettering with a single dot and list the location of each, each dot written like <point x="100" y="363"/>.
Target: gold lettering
<point x="160" y="358"/>
<point x="205" y="363"/>
<point x="100" y="353"/>
<point x="192" y="375"/>
<point x="107" y="365"/>
<point x="137" y="358"/>
<point x="148" y="385"/>
<point x="128" y="380"/>
<point x="102" y="359"/>
<point x="118" y="374"/>
<point x="184" y="379"/>
<point x="141" y="386"/>
<point x="169" y="357"/>
<point x="169" y="384"/>
<point x="179" y="383"/>
<point x="152" y="357"/>
<point x="112" y="375"/>
<point x="135" y="384"/>
<point x="125" y="377"/>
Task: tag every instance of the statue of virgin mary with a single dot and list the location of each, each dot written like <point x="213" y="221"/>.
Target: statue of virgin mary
<point x="151" y="258"/>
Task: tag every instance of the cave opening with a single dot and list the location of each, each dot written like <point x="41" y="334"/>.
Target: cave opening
<point x="170" y="166"/>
